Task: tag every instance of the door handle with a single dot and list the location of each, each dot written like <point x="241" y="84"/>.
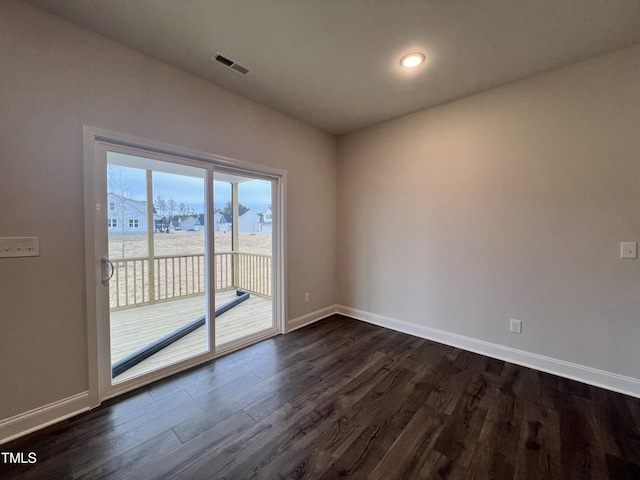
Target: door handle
<point x="107" y="271"/>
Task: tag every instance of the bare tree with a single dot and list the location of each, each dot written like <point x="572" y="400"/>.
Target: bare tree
<point x="120" y="190"/>
<point x="161" y="206"/>
<point x="228" y="209"/>
<point x="183" y="211"/>
<point x="171" y="206"/>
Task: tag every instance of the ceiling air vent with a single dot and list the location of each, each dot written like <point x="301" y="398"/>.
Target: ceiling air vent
<point x="218" y="57"/>
<point x="240" y="68"/>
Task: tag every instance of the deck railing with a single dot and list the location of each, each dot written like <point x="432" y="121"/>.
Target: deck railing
<point x="177" y="276"/>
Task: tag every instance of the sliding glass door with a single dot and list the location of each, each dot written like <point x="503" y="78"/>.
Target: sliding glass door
<point x="184" y="256"/>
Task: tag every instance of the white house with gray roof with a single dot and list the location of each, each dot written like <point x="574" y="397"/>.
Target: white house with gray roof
<point x="128" y="216"/>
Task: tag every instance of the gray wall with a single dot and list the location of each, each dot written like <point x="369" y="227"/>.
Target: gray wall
<point x="507" y="204"/>
<point x="55" y="78"/>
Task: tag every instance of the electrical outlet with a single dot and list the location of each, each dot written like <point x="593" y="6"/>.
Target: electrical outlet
<point x="515" y="326"/>
<point x="306" y="297"/>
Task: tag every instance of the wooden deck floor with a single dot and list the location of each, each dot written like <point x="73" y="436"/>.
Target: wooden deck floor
<point x="134" y="328"/>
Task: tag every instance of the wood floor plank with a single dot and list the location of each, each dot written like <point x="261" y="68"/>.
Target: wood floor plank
<point x="582" y="455"/>
<point x="497" y="445"/>
<point x="123" y="465"/>
<point x="249" y="444"/>
<point x="371" y="427"/>
<point x="539" y="449"/>
<point x="458" y="440"/>
<point x="342" y="398"/>
<point x="286" y="423"/>
<point x="190" y="453"/>
<point x="616" y="426"/>
<point x="620" y="469"/>
<point x="325" y="370"/>
<point x="212" y="375"/>
<point x="404" y="458"/>
<point x="209" y="410"/>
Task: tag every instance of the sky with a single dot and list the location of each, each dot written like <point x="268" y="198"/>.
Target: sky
<point x="255" y="194"/>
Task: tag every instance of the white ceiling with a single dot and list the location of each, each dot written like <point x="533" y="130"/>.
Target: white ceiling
<point x="335" y="63"/>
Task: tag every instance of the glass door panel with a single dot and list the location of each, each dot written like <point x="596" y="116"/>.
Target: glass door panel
<point x="158" y="252"/>
<point x="243" y="256"/>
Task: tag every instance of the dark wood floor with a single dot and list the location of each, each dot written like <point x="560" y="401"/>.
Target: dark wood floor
<point x="342" y="398"/>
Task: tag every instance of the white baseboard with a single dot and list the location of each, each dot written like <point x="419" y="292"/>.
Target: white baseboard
<point x="309" y="318"/>
<point x="573" y="371"/>
<point x="41" y="417"/>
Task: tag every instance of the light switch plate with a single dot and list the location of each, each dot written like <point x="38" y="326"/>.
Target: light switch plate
<point x="515" y="326"/>
<point x="19" y="247"/>
<point x="629" y="250"/>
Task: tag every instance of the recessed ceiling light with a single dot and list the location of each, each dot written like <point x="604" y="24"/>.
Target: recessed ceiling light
<point x="412" y="60"/>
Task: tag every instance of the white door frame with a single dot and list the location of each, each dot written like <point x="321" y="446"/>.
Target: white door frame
<point x="96" y="142"/>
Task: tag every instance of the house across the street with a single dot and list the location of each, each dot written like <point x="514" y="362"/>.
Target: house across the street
<point x="221" y="224"/>
<point x="267" y="221"/>
<point x="191" y="224"/>
<point x="127" y="215"/>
